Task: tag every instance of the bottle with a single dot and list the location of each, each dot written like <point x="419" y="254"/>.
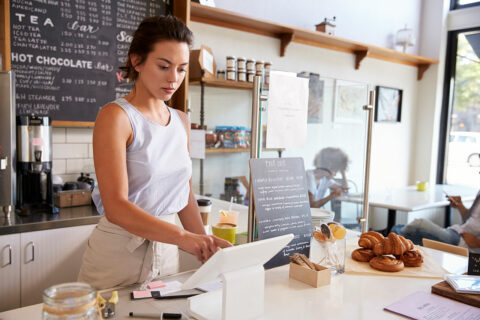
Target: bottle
<point x="74" y="300"/>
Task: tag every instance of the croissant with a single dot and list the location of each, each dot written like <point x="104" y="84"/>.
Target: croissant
<point x="369" y="239"/>
<point x="393" y="244"/>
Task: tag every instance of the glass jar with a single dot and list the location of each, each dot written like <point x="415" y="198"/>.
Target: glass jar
<point x="259" y="68"/>
<point x="231" y="62"/>
<point x="267" y="67"/>
<point x="231" y="74"/>
<point x="250" y="76"/>
<point x="72" y="301"/>
<point x="241" y="63"/>
<point x="250" y="65"/>
<point x="221" y="74"/>
<point x="242" y="75"/>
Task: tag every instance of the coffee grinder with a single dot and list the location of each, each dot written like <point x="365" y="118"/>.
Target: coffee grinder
<point x="34" y="165"/>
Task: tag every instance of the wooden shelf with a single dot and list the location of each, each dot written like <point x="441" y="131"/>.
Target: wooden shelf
<point x="227" y="150"/>
<point x="287" y="34"/>
<point x="217" y="83"/>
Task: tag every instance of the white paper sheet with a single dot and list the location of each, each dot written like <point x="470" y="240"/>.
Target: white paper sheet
<point x="170" y="287"/>
<point x="287" y="110"/>
<point x="197" y="144"/>
<point x="426" y="306"/>
<point x="207" y="61"/>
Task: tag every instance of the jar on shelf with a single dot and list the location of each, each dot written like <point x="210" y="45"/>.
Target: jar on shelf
<point x="241" y="65"/>
<point x="231" y="62"/>
<point x="259" y="68"/>
<point x="242" y="75"/>
<point x="74" y="300"/>
<point x="250" y="76"/>
<point x="267" y="66"/>
<point x="250" y="65"/>
<point x="231" y="74"/>
<point x="221" y="74"/>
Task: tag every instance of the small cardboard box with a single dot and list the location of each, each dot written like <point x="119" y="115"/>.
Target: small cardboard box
<point x="202" y="64"/>
<point x="314" y="278"/>
<point x="72" y="198"/>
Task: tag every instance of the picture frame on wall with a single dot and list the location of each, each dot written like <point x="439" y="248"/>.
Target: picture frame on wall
<point x="388" y="104"/>
<point x="350" y="97"/>
<point x="315" y="96"/>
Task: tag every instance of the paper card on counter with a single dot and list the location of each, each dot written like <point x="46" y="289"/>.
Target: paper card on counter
<point x="210" y="286"/>
<point x="426" y="306"/>
<point x="287" y="110"/>
<point x="170" y="287"/>
<point x="197" y="144"/>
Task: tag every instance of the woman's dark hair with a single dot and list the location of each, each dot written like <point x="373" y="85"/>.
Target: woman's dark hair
<point x="149" y="32"/>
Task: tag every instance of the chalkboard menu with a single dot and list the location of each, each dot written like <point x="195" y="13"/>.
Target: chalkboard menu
<point x="281" y="204"/>
<point x="66" y="53"/>
<point x="473" y="264"/>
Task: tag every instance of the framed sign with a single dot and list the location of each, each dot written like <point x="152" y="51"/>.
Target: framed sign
<point x="388" y="104"/>
<point x="350" y="97"/>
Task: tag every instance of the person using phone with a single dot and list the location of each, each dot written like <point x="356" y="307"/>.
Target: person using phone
<point x="465" y="235"/>
<point x="142" y="163"/>
<point x="328" y="163"/>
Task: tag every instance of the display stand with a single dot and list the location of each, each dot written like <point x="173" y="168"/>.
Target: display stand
<point x="241" y="270"/>
<point x="241" y="295"/>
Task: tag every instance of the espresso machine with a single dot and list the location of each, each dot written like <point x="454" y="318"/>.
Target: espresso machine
<point x="34" y="165"/>
<point x="7" y="145"/>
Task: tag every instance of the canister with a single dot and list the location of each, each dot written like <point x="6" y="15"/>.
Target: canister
<point x="242" y="75"/>
<point x="250" y="76"/>
<point x="259" y="68"/>
<point x="221" y="74"/>
<point x="267" y="67"/>
<point x="241" y="63"/>
<point x="231" y="62"/>
<point x="250" y="65"/>
<point x="231" y="74"/>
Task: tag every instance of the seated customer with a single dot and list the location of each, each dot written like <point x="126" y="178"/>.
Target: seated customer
<point x="465" y="235"/>
<point x="328" y="162"/>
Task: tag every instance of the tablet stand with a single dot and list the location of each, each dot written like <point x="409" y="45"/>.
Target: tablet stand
<point x="242" y="297"/>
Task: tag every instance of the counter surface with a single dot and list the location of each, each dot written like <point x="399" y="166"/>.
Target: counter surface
<point x="349" y="296"/>
<point x="67" y="217"/>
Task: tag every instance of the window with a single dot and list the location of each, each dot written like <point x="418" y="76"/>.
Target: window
<point x="461" y="110"/>
<point x="460" y="4"/>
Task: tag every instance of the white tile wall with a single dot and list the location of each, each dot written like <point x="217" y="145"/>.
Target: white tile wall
<point x="72" y="152"/>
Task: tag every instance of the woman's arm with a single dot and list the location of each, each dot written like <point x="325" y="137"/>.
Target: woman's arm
<point x="111" y="136"/>
<point x="319" y="203"/>
<point x="456" y="202"/>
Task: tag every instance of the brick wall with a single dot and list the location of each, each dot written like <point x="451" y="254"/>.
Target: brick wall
<point x="72" y="152"/>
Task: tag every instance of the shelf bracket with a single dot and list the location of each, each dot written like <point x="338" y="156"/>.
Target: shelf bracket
<point x="285" y="39"/>
<point x="421" y="70"/>
<point x="359" y="56"/>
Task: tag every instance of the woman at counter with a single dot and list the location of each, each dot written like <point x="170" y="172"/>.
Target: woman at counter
<point x="142" y="163"/>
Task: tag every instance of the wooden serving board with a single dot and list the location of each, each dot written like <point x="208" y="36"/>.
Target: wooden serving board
<point x="445" y="290"/>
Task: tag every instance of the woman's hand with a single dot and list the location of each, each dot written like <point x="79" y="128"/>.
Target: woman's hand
<point x="456" y="202"/>
<point x="202" y="246"/>
<point x="335" y="193"/>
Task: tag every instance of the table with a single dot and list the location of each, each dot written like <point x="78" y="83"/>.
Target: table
<point x="348" y="296"/>
<point x="408" y="199"/>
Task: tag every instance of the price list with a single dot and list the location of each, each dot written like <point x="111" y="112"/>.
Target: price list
<point x="66" y="54"/>
<point x="281" y="204"/>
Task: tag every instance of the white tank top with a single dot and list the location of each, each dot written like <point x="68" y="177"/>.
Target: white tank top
<point x="158" y="164"/>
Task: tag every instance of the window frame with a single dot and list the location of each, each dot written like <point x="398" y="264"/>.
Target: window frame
<point x="447" y="99"/>
<point x="454" y="5"/>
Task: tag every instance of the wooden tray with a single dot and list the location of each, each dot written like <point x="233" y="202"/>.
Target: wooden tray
<point x="445" y="290"/>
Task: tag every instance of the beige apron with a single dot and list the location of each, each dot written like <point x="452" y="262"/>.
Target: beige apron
<point x="115" y="257"/>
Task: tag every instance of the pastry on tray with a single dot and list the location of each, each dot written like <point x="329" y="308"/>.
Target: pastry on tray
<point x="386" y="263"/>
<point x="393" y="244"/>
<point x="363" y="255"/>
<point x="369" y="239"/>
<point x="411" y="258"/>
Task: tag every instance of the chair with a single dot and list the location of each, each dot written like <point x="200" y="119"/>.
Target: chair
<point x="445" y="247"/>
